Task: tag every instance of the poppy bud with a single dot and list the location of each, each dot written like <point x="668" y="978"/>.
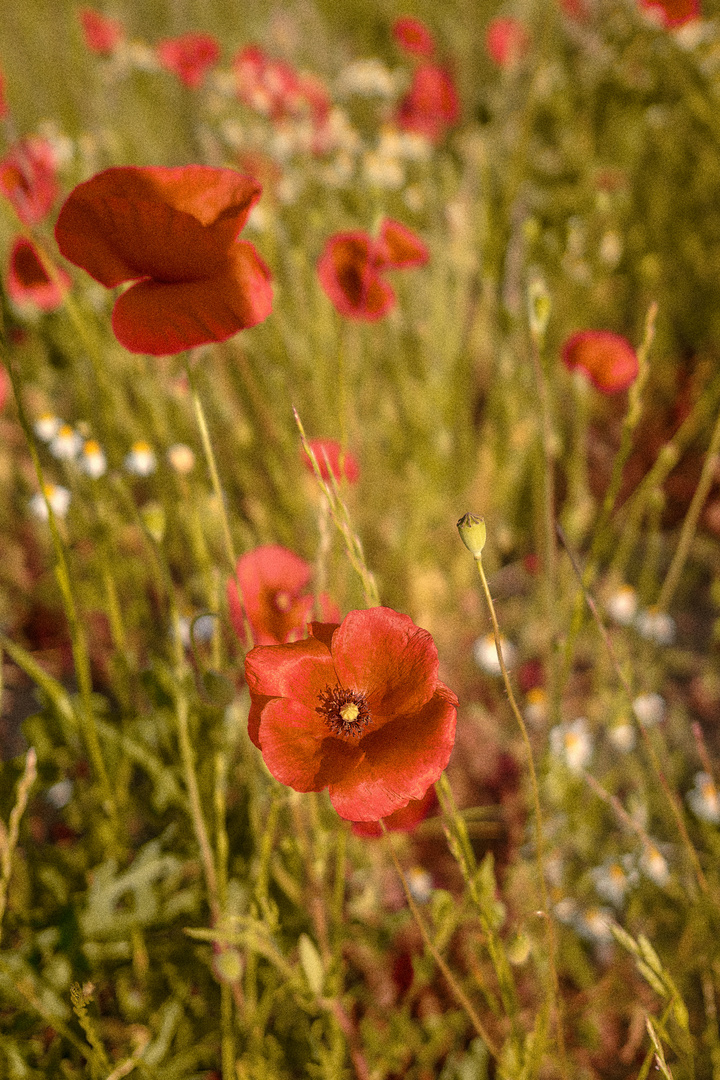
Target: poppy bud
<point x="472" y="533"/>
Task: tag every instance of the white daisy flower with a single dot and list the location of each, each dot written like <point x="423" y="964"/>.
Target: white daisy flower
<point x="66" y="444"/>
<point x="573" y="743"/>
<point x="655" y="626"/>
<point x="57" y="496"/>
<point x="622" y="605"/>
<point x="650" y="709"/>
<point x="622" y="736"/>
<point x="535" y="706"/>
<point x="382" y="171"/>
<point x="47" y="426"/>
<point x="60" y="794"/>
<point x="614" y="879"/>
<point x="595" y="924"/>
<point x="141" y="460"/>
<point x="486" y="656"/>
<point x="93" y="461"/>
<point x="366" y="78"/>
<point x="420" y="884"/>
<point x="704" y="799"/>
<point x="654" y="865"/>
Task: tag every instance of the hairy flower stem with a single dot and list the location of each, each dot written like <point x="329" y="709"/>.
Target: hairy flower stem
<point x="554" y="984"/>
<point x="452" y="982"/>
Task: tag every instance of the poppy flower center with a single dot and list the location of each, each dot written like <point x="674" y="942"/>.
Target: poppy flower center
<point x="345" y="711"/>
<point x="282" y="601"/>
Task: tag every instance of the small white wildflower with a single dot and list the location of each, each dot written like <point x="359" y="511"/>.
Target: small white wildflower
<point x="573" y="743"/>
<point x="420" y="884"/>
<point x="704" y="799"/>
<point x="622" y="736"/>
<point x="366" y="78"/>
<point x="141" y="460"/>
<point x="654" y="865"/>
<point x="622" y="605"/>
<point x="566" y="910"/>
<point x="66" y="444"/>
<point x="182" y="458"/>
<point x="142" y="57"/>
<point x="613" y="879"/>
<point x="339" y="134"/>
<point x="611" y="249"/>
<point x="486" y="656"/>
<point x="405" y="145"/>
<point x="57" y="496"/>
<point x="649" y="709"/>
<point x="536" y="706"/>
<point x="47" y="426"/>
<point x="93" y="461"/>
<point x="383" y="172"/>
<point x="655" y="626"/>
<point x="60" y="794"/>
<point x="595" y="924"/>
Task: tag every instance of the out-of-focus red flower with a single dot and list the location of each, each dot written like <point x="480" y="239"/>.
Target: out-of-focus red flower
<point x="4" y="387"/>
<point x="27" y="179"/>
<point x="273" y="583"/>
<point x="507" y="41"/>
<point x="403" y="820"/>
<point x="4" y="107"/>
<point x="357" y="708"/>
<point x="673" y="12"/>
<point x="608" y="360"/>
<point x="431" y="104"/>
<point x="576" y="9"/>
<point x="413" y="36"/>
<point x="102" y="35"/>
<point x="189" y="56"/>
<point x="332" y="460"/>
<point x="173" y="232"/>
<point x="28" y="282"/>
<point x="273" y="88"/>
<point x="352" y="263"/>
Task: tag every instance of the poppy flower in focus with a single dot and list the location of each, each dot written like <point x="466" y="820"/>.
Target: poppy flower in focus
<point x="506" y="41"/>
<point x="273" y="583"/>
<point x="102" y="34"/>
<point x="27" y="179"/>
<point x="413" y="36"/>
<point x="28" y="282"/>
<point x="403" y="820"/>
<point x="172" y="232"/>
<point x="332" y="460"/>
<point x="351" y="265"/>
<point x="357" y="708"/>
<point x="673" y="13"/>
<point x="189" y="56"/>
<point x="608" y="360"/>
<point x="431" y="104"/>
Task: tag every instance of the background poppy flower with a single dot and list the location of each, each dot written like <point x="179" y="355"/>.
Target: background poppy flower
<point x="28" y="282"/>
<point x="673" y="12"/>
<point x="102" y="34"/>
<point x="273" y="581"/>
<point x="608" y="360"/>
<point x="173" y="233"/>
<point x="506" y="41"/>
<point x="399" y="248"/>
<point x="27" y="179"/>
<point x="413" y="36"/>
<point x="357" y="708"/>
<point x="4" y="107"/>
<point x="332" y="460"/>
<point x="189" y="56"/>
<point x="431" y="104"/>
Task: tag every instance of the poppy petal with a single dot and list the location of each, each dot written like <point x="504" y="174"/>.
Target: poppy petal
<point x="297" y="749"/>
<point x="399" y="247"/>
<point x="607" y="359"/>
<point x="158" y="318"/>
<point x="300" y="670"/>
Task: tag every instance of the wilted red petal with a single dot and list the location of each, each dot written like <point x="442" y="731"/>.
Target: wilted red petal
<point x="28" y="282"/>
<point x="607" y="359"/>
<point x="349" y="279"/>
<point x="332" y="460"/>
<point x="506" y="41"/>
<point x="431" y="104"/>
<point x="399" y="247"/>
<point x="673" y="12"/>
<point x="272" y="580"/>
<point x="403" y="820"/>
<point x="27" y="179"/>
<point x="413" y="36"/>
<point x="189" y="56"/>
<point x="101" y="34"/>
<point x="161" y="319"/>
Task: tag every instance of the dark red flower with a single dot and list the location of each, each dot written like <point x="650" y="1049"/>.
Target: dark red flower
<point x="506" y="41"/>
<point x="332" y="460"/>
<point x="273" y="583"/>
<point x="4" y="107"/>
<point x="351" y="266"/>
<point x="173" y="232"/>
<point x="608" y="360"/>
<point x="413" y="36"/>
<point x="189" y="56"/>
<point x="4" y="387"/>
<point x="673" y="13"/>
<point x="28" y="282"/>
<point x="431" y="104"/>
<point x="102" y="35"/>
<point x="403" y="820"/>
<point x="357" y="708"/>
<point x="27" y="179"/>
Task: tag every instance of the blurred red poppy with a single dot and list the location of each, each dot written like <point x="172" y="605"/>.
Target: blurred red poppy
<point x="275" y="89"/>
<point x="27" y="179"/>
<point x="4" y="107"/>
<point x="102" y="34"/>
<point x="351" y="265"/>
<point x="357" y="708"/>
<point x="4" y="387"/>
<point x="431" y="104"/>
<point x="413" y="36"/>
<point x="189" y="56"/>
<point x="506" y="41"/>
<point x="28" y="282"/>
<point x="608" y="360"/>
<point x="332" y="460"/>
<point x="673" y="12"/>
<point x="403" y="820"/>
<point x="273" y="583"/>
<point x="173" y="233"/>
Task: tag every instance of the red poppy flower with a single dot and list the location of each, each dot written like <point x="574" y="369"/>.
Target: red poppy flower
<point x="102" y="35"/>
<point x="4" y="107"/>
<point x="351" y="264"/>
<point x="673" y="12"/>
<point x="4" y="387"/>
<point x="27" y="179"/>
<point x="357" y="708"/>
<point x="273" y="581"/>
<point x="413" y="36"/>
<point x="403" y="820"/>
<point x="608" y="360"/>
<point x="506" y="41"/>
<point x="332" y="460"/>
<point x="28" y="282"/>
<point x="431" y="104"/>
<point x="189" y="56"/>
<point x="173" y="233"/>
